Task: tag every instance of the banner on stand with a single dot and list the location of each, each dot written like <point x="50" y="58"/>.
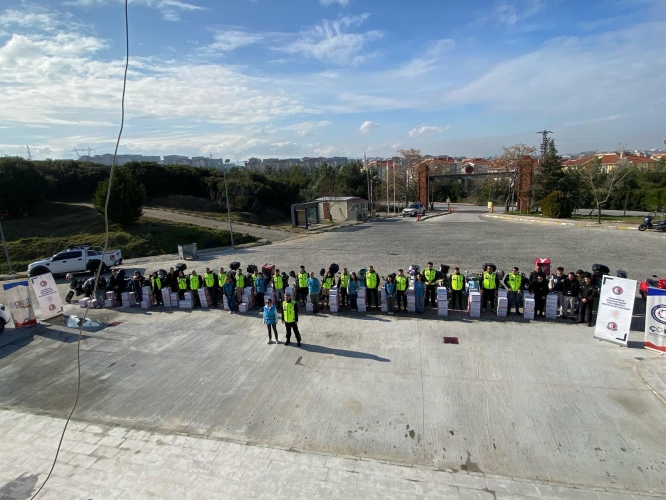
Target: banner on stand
<point x="47" y="295"/>
<point x="655" y="320"/>
<point x="20" y="304"/>
<point x="616" y="307"/>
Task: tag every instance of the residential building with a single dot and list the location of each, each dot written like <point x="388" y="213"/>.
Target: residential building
<point x="611" y="160"/>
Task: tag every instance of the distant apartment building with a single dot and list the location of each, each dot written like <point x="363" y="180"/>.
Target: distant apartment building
<point x="107" y="159"/>
<point x="609" y="161"/>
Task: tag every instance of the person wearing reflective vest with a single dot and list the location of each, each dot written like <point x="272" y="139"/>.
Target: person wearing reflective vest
<point x="156" y="287"/>
<point x="302" y="286"/>
<point x="513" y="282"/>
<point x="290" y="319"/>
<point x="343" y="282"/>
<point x="372" y="285"/>
<point x="278" y="288"/>
<point x="182" y="285"/>
<point x="326" y="285"/>
<point x="401" y="286"/>
<point x="430" y="278"/>
<point x="488" y="288"/>
<point x="195" y="284"/>
<point x="210" y="280"/>
<point x="240" y="285"/>
<point x="270" y="319"/>
<point x="457" y="285"/>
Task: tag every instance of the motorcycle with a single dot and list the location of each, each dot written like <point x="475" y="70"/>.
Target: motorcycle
<point x="648" y="224"/>
<point x="651" y="283"/>
<point x="81" y="286"/>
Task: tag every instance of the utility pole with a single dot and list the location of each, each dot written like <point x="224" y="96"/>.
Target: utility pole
<point x="544" y="142"/>
<point x="387" y="189"/>
<point x="4" y="244"/>
<point x="226" y="193"/>
<point x="29" y="153"/>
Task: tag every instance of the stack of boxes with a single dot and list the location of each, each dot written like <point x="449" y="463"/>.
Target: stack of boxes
<point x="442" y="301"/>
<point x="334" y="300"/>
<point x="174" y="299"/>
<point x="361" y="299"/>
<point x="411" y="300"/>
<point x="248" y="301"/>
<point x="204" y="297"/>
<point x="187" y="302"/>
<point x="110" y="300"/>
<point x="147" y="298"/>
<point x="551" y="306"/>
<point x="83" y="303"/>
<point x="502" y="306"/>
<point x="166" y="296"/>
<point x="125" y="298"/>
<point x="474" y="304"/>
<point x="308" y="304"/>
<point x="528" y="308"/>
<point x="384" y="306"/>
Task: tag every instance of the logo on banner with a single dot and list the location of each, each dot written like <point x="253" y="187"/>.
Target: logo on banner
<point x="43" y="283"/>
<point x="659" y="313"/>
<point x="612" y="326"/>
<point x="617" y="290"/>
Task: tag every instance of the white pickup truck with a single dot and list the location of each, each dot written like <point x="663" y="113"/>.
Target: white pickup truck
<point x="76" y="259"/>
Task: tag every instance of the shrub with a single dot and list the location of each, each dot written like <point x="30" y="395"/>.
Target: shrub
<point x="127" y="197"/>
<point x="557" y="206"/>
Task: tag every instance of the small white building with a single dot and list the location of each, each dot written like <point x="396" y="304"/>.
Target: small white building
<point x="344" y="208"/>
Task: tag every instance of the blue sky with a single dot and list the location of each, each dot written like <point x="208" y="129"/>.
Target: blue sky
<point x="268" y="78"/>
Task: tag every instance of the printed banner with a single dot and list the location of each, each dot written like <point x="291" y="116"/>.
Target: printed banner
<point x="655" y="320"/>
<point x="47" y="295"/>
<point x="616" y="306"/>
<point x="20" y="303"/>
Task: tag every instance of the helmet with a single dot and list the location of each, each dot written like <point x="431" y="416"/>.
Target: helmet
<point x="69" y="276"/>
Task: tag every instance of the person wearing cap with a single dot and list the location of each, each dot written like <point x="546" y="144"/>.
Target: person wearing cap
<point x="240" y="285"/>
<point x="457" y="285"/>
<point x="489" y="288"/>
<point x="586" y="296"/>
<point x="302" y="285"/>
<point x="343" y="283"/>
<point x="372" y="286"/>
<point x="290" y="319"/>
<point x="513" y="282"/>
<point x="229" y="291"/>
<point x="314" y="288"/>
<point x="270" y="320"/>
<point x="210" y="280"/>
<point x="278" y="288"/>
<point x="540" y="290"/>
<point x="401" y="286"/>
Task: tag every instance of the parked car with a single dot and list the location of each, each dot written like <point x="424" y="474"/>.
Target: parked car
<point x="76" y="259"/>
<point x="4" y="317"/>
<point x="414" y="209"/>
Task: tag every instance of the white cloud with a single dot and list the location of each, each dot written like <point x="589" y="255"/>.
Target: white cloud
<point x="427" y="129"/>
<point x="367" y="127"/>
<point x="171" y="10"/>
<point x="228" y="40"/>
<point x="306" y="129"/>
<point x="331" y="41"/>
<point x="326" y="3"/>
<point x="511" y="13"/>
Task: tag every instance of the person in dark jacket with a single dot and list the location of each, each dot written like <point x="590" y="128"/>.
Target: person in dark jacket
<point x="587" y="294"/>
<point x="117" y="283"/>
<point x="570" y="289"/>
<point x="557" y="286"/>
<point x="580" y="275"/>
<point x="195" y="282"/>
<point x="172" y="279"/>
<point x="135" y="285"/>
<point x="540" y="290"/>
<point x="229" y="291"/>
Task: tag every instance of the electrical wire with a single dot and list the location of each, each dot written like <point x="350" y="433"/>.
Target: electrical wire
<point x="101" y="263"/>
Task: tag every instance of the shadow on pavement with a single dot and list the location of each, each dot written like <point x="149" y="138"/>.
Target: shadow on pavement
<point x="20" y="338"/>
<point x="342" y="352"/>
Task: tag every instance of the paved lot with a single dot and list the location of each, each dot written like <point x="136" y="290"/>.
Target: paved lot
<point x="540" y="401"/>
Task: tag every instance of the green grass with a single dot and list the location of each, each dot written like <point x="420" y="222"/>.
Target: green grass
<point x="53" y="226"/>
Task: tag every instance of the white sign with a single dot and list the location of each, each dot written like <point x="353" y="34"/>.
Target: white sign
<point x="655" y="320"/>
<point x="47" y="295"/>
<point x="20" y="303"/>
<point x="616" y="306"/>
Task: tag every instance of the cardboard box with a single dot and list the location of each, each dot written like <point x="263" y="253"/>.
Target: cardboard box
<point x="242" y="308"/>
<point x="528" y="314"/>
<point x="186" y="304"/>
<point x="187" y="295"/>
<point x="125" y="303"/>
<point x="174" y="297"/>
<point x="334" y="309"/>
<point x="442" y="311"/>
<point x="475" y="297"/>
<point x="144" y="304"/>
<point x="110" y="295"/>
<point x="166" y="303"/>
<point x="502" y="293"/>
<point x="132" y="297"/>
<point x="83" y="303"/>
<point x="124" y="295"/>
<point x="362" y="307"/>
<point x="411" y="308"/>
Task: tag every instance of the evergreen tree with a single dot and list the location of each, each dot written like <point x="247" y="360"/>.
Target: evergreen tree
<point x="549" y="176"/>
<point x="127" y="197"/>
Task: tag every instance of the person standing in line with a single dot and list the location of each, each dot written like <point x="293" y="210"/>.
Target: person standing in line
<point x="270" y="320"/>
<point x="489" y="288"/>
<point x="278" y="288"/>
<point x="352" y="289"/>
<point x="195" y="284"/>
<point x="221" y="280"/>
<point x="314" y="288"/>
<point x="401" y="286"/>
<point x="116" y="284"/>
<point x="99" y="292"/>
<point x="136" y="285"/>
<point x="430" y="276"/>
<point x="580" y="274"/>
<point x="540" y="290"/>
<point x="210" y="280"/>
<point x="513" y="282"/>
<point x="290" y="319"/>
<point x="389" y="288"/>
<point x="302" y="285"/>
<point x="419" y="293"/>
<point x="229" y="291"/>
<point x="172" y="280"/>
<point x="372" y="285"/>
<point x="343" y="282"/>
<point x="557" y="286"/>
<point x="156" y="287"/>
<point x="326" y="285"/>
<point x="260" y="287"/>
<point x="182" y="285"/>
<point x="240" y="286"/>
<point x="587" y="294"/>
<point x="571" y="287"/>
<point x="457" y="284"/>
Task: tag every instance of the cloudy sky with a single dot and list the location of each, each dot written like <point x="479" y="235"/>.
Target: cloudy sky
<point x="278" y="78"/>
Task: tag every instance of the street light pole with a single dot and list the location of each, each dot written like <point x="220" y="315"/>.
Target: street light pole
<point x="4" y="244"/>
<point x="226" y="193"/>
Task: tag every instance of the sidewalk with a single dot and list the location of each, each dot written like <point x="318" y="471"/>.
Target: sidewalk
<point x="101" y="462"/>
<point x="561" y="222"/>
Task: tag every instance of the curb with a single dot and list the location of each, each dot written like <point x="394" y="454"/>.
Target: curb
<point x="577" y="224"/>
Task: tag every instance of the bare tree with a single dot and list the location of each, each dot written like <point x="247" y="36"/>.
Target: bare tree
<point x="604" y="181"/>
<point x="213" y="190"/>
<point x="510" y="162"/>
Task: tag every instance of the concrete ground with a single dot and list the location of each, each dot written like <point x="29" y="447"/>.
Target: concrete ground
<point x="539" y="401"/>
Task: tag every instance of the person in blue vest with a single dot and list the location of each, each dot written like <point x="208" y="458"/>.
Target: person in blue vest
<point x="352" y="290"/>
<point x="313" y="289"/>
<point x="229" y="291"/>
<point x="419" y="293"/>
<point x="389" y="288"/>
<point x="270" y="320"/>
<point x="260" y="287"/>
